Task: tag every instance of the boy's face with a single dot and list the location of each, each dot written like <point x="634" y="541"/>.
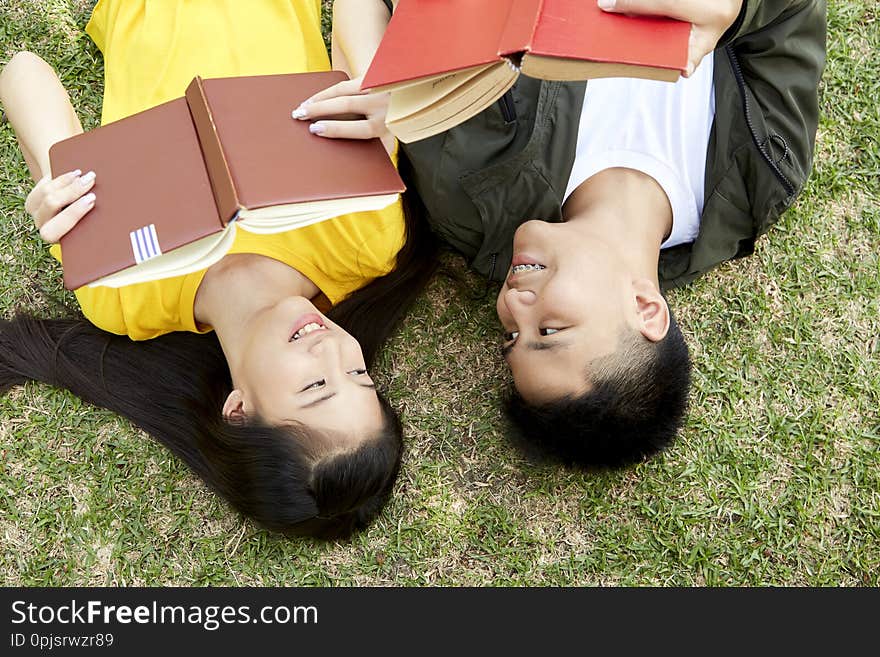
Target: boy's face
<point x="562" y="306"/>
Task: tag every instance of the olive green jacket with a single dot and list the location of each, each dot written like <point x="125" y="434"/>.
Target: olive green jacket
<point x="511" y="163"/>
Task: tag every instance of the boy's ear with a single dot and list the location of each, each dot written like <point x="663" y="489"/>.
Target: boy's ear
<point x="233" y="408"/>
<point x="652" y="310"/>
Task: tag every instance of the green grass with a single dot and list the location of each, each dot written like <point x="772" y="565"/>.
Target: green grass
<point x="775" y="479"/>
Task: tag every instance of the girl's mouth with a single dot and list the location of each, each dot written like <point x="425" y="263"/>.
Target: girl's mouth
<point x="307" y="324"/>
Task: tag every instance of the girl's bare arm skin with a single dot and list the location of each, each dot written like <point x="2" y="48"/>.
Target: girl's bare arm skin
<point x="40" y="112"/>
<point x="358" y="26"/>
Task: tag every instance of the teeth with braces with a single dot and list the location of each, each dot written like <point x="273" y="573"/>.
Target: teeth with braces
<point x="518" y="268"/>
<point x="308" y="328"/>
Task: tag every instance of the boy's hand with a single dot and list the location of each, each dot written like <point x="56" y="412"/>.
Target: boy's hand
<point x="341" y="101"/>
<point x="710" y="20"/>
<point x="57" y="204"/>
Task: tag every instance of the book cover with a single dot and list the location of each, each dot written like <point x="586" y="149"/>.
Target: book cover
<point x="179" y="172"/>
<point x="275" y="160"/>
<point x="150" y="173"/>
<point x="429" y="38"/>
<point x="574" y="29"/>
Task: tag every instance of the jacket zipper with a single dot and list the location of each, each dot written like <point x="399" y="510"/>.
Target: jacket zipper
<point x="740" y="80"/>
<point x="508" y="109"/>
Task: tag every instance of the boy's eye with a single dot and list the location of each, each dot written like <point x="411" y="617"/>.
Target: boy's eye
<point x="511" y="336"/>
<point x="358" y="372"/>
<point x="548" y="331"/>
<point x="314" y="385"/>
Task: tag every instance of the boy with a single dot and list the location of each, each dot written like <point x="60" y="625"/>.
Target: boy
<point x="638" y="186"/>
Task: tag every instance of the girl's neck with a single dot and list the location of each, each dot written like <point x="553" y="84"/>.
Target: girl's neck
<point x="239" y="286"/>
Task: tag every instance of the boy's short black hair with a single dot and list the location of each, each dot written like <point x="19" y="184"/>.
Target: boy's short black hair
<point x="633" y="410"/>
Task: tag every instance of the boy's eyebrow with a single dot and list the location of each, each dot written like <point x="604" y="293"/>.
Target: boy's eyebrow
<point x="534" y="346"/>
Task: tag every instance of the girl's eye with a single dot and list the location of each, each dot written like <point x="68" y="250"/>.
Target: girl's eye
<point x="511" y="336"/>
<point x="358" y="372"/>
<point x="314" y="386"/>
<point x="548" y="331"/>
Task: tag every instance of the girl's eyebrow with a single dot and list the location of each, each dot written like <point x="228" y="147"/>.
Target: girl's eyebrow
<point x="333" y="394"/>
<point x="318" y="400"/>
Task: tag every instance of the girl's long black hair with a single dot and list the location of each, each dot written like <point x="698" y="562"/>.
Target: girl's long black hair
<point x="173" y="387"/>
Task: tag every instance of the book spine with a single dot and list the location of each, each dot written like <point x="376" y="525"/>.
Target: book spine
<point x="522" y="21"/>
<point x="216" y="165"/>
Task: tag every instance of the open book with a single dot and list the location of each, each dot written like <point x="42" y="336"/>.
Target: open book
<point x="174" y="181"/>
<point x="444" y="62"/>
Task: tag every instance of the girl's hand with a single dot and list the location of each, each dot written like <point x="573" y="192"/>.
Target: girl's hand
<point x="342" y="101"/>
<point x="710" y="20"/>
<point x="58" y="204"/>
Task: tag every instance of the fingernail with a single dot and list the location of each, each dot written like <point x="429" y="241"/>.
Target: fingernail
<point x="88" y="199"/>
<point x="87" y="179"/>
<point x="299" y="113"/>
<point x="75" y="172"/>
<point x="607" y="4"/>
<point x="317" y="128"/>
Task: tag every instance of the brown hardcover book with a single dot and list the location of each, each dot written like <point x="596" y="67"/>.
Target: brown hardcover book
<point x="176" y="181"/>
<point x="444" y="62"/>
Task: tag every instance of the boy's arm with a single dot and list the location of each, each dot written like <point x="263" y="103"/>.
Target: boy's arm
<point x="755" y="15"/>
<point x="778" y="50"/>
<point x="711" y="20"/>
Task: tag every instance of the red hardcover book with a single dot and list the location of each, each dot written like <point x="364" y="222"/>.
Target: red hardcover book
<point x="176" y="181"/>
<point x="446" y="60"/>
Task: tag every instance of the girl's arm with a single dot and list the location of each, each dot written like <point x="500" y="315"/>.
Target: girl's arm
<point x="39" y="110"/>
<point x="358" y="26"/>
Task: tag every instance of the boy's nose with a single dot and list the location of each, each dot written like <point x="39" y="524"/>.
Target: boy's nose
<point x="517" y="298"/>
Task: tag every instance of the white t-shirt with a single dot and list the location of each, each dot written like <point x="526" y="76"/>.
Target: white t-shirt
<point x="658" y="128"/>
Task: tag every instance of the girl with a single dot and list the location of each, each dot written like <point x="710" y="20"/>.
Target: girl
<point x="274" y="409"/>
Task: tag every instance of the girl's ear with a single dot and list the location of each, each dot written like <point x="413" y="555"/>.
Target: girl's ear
<point x="233" y="409"/>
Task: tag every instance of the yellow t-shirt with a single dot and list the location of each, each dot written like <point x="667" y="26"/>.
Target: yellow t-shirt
<point x="152" y="49"/>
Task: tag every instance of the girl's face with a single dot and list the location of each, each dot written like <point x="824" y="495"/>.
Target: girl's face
<point x="299" y="367"/>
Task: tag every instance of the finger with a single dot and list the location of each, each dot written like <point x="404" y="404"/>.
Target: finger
<point x="46" y="185"/>
<point x="344" y="88"/>
<point x="700" y="47"/>
<point x="357" y="106"/>
<point x="347" y="129"/>
<point x="53" y="230"/>
<point x="59" y="196"/>
<point x="36" y="194"/>
<point x="693" y="11"/>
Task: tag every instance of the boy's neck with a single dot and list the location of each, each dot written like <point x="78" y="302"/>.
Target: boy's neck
<point x="629" y="210"/>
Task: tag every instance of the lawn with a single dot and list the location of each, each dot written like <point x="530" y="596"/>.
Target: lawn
<point x="774" y="481"/>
